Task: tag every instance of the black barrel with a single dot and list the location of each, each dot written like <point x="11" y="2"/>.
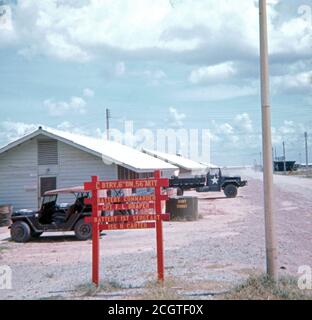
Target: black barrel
<point x="5" y="215"/>
<point x="183" y="208"/>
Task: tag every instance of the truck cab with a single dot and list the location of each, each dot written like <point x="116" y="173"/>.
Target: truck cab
<point x="216" y="182"/>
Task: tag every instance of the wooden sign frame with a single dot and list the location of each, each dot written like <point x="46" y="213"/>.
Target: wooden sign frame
<point x="140" y="221"/>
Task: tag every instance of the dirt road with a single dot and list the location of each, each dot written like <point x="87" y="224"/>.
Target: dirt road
<point x="215" y="253"/>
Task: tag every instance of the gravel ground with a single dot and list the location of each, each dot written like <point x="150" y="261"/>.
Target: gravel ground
<point x="215" y="253"/>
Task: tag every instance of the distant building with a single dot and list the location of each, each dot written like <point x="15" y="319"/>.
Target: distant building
<point x="187" y="167"/>
<point x="47" y="159"/>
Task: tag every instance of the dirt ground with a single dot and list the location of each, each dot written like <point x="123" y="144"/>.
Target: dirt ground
<point x="211" y="255"/>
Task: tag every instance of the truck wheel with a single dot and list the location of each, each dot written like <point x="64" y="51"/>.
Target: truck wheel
<point x="83" y="231"/>
<point x="230" y="191"/>
<point x="180" y="192"/>
<point x="20" y="232"/>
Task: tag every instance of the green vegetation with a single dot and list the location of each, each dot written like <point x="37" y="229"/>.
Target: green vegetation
<point x="263" y="288"/>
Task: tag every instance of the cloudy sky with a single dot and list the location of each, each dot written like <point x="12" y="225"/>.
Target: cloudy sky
<point x="161" y="64"/>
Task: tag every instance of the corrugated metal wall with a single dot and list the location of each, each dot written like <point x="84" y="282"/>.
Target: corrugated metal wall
<point x="19" y="176"/>
<point x="20" y="172"/>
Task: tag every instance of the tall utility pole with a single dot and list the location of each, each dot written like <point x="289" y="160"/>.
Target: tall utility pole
<point x="270" y="232"/>
<point x="306" y="149"/>
<point x="108" y="116"/>
<point x="284" y="156"/>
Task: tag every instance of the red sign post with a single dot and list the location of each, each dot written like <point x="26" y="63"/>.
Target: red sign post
<point x="139" y="221"/>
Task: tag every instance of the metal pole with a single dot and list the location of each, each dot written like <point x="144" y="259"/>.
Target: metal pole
<point x="270" y="233"/>
<point x="284" y="156"/>
<point x="159" y="231"/>
<point x="107" y="123"/>
<point x="306" y="149"/>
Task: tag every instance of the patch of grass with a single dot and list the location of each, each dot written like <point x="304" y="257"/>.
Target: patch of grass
<point x="263" y="288"/>
<point x="161" y="291"/>
<point x="90" y="290"/>
<point x="3" y="248"/>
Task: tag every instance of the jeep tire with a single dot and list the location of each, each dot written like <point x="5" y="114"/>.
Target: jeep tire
<point x="83" y="231"/>
<point x="20" y="232"/>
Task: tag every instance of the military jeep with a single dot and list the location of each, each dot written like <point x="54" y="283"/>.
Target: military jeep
<point x="54" y="217"/>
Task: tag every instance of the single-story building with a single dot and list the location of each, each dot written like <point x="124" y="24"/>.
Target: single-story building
<point x="47" y="159"/>
<point x="187" y="167"/>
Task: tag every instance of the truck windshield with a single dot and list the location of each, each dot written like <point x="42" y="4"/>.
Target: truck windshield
<point x="49" y="199"/>
<point x="214" y="172"/>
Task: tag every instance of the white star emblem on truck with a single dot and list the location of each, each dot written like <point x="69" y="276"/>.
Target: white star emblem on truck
<point x="215" y="180"/>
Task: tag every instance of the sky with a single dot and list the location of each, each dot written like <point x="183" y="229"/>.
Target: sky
<point x="166" y="64"/>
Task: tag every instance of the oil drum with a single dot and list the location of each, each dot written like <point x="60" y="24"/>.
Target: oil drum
<point x="181" y="207"/>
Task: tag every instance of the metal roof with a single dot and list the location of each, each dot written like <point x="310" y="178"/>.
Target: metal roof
<point x="111" y="152"/>
<point x="176" y="160"/>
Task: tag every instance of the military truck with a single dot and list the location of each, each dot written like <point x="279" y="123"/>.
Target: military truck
<point x="214" y="181"/>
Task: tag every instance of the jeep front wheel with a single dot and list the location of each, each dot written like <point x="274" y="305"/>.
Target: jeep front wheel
<point x="83" y="231"/>
<point x="20" y="232"/>
<point x="230" y="191"/>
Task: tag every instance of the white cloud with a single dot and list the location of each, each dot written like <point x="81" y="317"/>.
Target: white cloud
<point x="293" y="83"/>
<point x="213" y="73"/>
<point x="218" y="39"/>
<point x="155" y="77"/>
<point x="226" y="128"/>
<point x="11" y="130"/>
<point x="175" y="118"/>
<point x="65" y="50"/>
<point x="214" y="29"/>
<point x="60" y="108"/>
<point x="240" y="137"/>
<point x="70" y="127"/>
<point x="244" y="123"/>
<point x="88" y="93"/>
<point x="75" y="104"/>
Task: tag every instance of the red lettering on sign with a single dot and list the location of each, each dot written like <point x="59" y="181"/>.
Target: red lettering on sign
<point x="127" y="184"/>
<point x="134" y="218"/>
<point x="126" y="206"/>
<point x="120" y="222"/>
<point x="130" y="225"/>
